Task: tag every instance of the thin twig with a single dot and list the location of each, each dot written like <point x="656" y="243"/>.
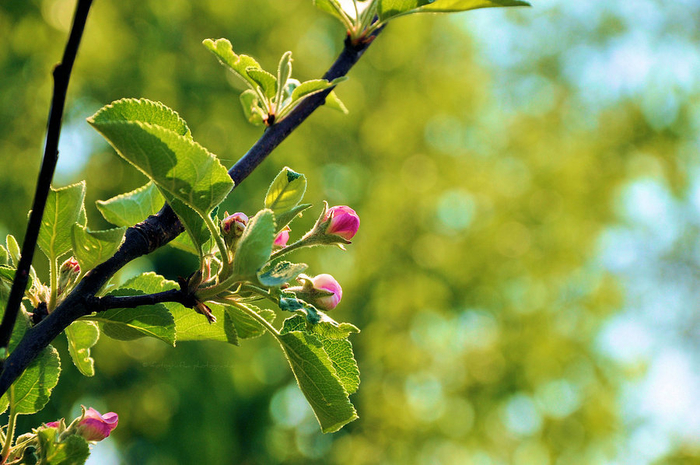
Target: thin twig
<point x="156" y="231"/>
<point x="61" y="77"/>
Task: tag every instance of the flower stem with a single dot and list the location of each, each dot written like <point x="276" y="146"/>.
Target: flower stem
<point x="10" y="426"/>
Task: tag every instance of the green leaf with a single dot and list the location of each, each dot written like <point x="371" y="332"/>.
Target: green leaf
<point x="13" y="249"/>
<point x="284" y="72"/>
<point x="266" y="81"/>
<point x="255" y="245"/>
<point x="333" y="336"/>
<point x="72" y="450"/>
<point x="4" y="255"/>
<point x="388" y="9"/>
<point x="94" y="247"/>
<point x="248" y="327"/>
<point x="286" y="191"/>
<point x="333" y="8"/>
<point x="334" y="102"/>
<point x="82" y="335"/>
<point x="194" y="224"/>
<point x="177" y="164"/>
<point x="250" y="101"/>
<point x="191" y="326"/>
<point x="318" y="380"/>
<point x="280" y="273"/>
<point x="287" y="217"/>
<point x="238" y="64"/>
<point x="132" y="207"/>
<point x="310" y="87"/>
<point x="62" y="211"/>
<point x="147" y="320"/>
<point x="33" y="388"/>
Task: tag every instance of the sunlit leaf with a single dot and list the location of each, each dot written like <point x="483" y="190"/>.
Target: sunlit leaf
<point x="82" y="335"/>
<point x="255" y="245"/>
<point x="94" y="247"/>
<point x="61" y="213"/>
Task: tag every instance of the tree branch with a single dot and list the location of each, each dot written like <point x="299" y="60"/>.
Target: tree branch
<point x="61" y="77"/>
<point x="158" y="230"/>
<point x="100" y="304"/>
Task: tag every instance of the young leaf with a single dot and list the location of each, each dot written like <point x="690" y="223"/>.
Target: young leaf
<point x="285" y="218"/>
<point x="388" y="9"/>
<point x="254" y="113"/>
<point x="238" y="64"/>
<point x="280" y="273"/>
<point x="13" y="249"/>
<point x="286" y="191"/>
<point x="334" y="102"/>
<point x="72" y="450"/>
<point x="62" y="211"/>
<point x="132" y="207"/>
<point x="318" y="380"/>
<point x="284" y="72"/>
<point x="336" y="345"/>
<point x="4" y="255"/>
<point x="82" y="335"/>
<point x="334" y="8"/>
<point x="177" y="164"/>
<point x="255" y="245"/>
<point x="33" y="388"/>
<point x="197" y="231"/>
<point x="266" y="81"/>
<point x="246" y="326"/>
<point x="94" y="247"/>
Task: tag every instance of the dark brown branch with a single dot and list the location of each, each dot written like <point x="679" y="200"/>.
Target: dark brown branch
<point x="61" y="77"/>
<point x="100" y="304"/>
<point x="157" y="231"/>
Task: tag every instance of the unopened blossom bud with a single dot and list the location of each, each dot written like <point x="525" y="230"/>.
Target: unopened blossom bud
<point x="234" y="224"/>
<point x="95" y="426"/>
<point x="282" y="238"/>
<point x="327" y="283"/>
<point x="68" y="274"/>
<point x="341" y="221"/>
<point x="53" y="424"/>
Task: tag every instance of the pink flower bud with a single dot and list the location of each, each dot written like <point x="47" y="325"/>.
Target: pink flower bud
<point x="68" y="274"/>
<point x="53" y="424"/>
<point x="282" y="238"/>
<point x="326" y="282"/>
<point x="234" y="224"/>
<point x="342" y="221"/>
<point x="96" y="427"/>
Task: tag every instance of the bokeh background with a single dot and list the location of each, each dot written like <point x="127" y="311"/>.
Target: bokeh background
<point x="527" y="272"/>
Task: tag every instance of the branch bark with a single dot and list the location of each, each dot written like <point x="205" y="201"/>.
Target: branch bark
<point x="159" y="229"/>
<point x="61" y="78"/>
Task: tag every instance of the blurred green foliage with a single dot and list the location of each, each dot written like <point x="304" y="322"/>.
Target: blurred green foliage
<point x="472" y="277"/>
